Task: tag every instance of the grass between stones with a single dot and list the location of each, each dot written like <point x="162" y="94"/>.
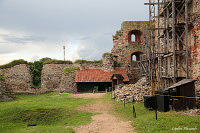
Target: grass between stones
<point x="51" y="112"/>
<point x="145" y="122"/>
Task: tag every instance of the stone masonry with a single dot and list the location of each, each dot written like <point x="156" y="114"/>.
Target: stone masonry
<point x="54" y="79"/>
<point x="125" y="48"/>
<point x="18" y="79"/>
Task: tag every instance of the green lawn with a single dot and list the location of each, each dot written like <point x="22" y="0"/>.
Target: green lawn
<point x="145" y="122"/>
<point x="52" y="113"/>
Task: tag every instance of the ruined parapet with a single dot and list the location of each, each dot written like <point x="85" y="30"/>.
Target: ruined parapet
<point x="128" y="40"/>
<point x="18" y="79"/>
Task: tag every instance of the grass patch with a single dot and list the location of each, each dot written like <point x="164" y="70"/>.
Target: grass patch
<point x="68" y="70"/>
<point x="51" y="112"/>
<point x="145" y="121"/>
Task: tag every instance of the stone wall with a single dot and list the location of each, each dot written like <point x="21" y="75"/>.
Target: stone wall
<point x="51" y="77"/>
<point x="54" y="79"/>
<point x="18" y="79"/>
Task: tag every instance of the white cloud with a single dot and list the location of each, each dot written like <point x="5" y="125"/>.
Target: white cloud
<point x="39" y="27"/>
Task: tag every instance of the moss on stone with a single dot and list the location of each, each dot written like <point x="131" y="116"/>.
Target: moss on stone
<point x="54" y="61"/>
<point x="2" y="78"/>
<point x="119" y="33"/>
<point x="107" y="53"/>
<point x="68" y="70"/>
<point x="13" y="63"/>
<point x="132" y="25"/>
<point x="80" y="61"/>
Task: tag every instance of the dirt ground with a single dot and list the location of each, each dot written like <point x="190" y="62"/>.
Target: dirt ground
<point x="88" y="95"/>
<point x="104" y="121"/>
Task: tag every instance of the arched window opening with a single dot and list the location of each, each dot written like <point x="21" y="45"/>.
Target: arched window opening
<point x="133" y="58"/>
<point x="132" y="38"/>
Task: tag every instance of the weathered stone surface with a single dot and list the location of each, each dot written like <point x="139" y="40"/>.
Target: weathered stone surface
<point x="138" y="90"/>
<point x="51" y="77"/>
<point x="18" y="79"/>
<point x="4" y="92"/>
<point x="67" y="83"/>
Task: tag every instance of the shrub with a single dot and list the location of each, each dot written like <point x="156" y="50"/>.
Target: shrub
<point x="68" y="70"/>
<point x="116" y="64"/>
<point x="86" y="61"/>
<point x="2" y="78"/>
<point x="36" y="70"/>
<point x="13" y="63"/>
<point x="119" y="33"/>
<point x="54" y="61"/>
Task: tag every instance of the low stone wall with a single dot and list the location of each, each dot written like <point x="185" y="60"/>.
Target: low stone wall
<point x="18" y="79"/>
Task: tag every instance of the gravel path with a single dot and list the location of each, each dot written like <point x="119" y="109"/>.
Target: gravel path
<point x="103" y="122"/>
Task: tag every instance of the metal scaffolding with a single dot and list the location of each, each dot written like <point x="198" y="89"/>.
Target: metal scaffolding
<point x="167" y="54"/>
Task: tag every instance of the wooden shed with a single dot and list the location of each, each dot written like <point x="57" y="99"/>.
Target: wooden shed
<point x="181" y="95"/>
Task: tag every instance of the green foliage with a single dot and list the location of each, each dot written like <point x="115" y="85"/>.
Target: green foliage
<point x="80" y="61"/>
<point x="68" y="70"/>
<point x="36" y="70"/>
<point x="51" y="112"/>
<point x="116" y="64"/>
<point x="13" y="63"/>
<point x="119" y="33"/>
<point x="107" y="53"/>
<point x="2" y="78"/>
<point x="54" y="61"/>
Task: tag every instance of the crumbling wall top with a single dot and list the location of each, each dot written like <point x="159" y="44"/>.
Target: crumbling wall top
<point x="134" y="25"/>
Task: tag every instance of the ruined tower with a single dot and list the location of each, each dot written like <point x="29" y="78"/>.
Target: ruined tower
<point x="129" y="45"/>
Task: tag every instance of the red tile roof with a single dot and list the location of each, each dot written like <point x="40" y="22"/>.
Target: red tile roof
<point x="98" y="75"/>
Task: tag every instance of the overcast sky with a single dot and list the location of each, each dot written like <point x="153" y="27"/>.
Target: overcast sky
<point x="33" y="29"/>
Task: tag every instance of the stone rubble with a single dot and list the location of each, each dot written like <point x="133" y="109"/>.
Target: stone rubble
<point x="138" y="90"/>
